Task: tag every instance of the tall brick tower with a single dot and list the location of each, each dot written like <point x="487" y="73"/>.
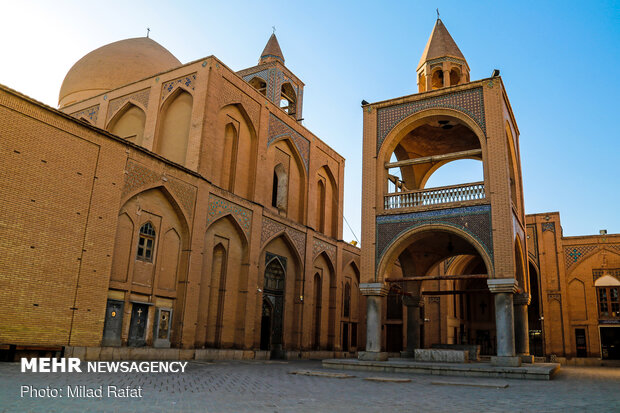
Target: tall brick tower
<point x="409" y="229"/>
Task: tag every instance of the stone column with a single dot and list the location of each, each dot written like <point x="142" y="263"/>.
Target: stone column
<point x="522" y="338"/>
<point x="429" y="79"/>
<point x="413" y="324"/>
<point x="374" y="293"/>
<point x="503" y="289"/>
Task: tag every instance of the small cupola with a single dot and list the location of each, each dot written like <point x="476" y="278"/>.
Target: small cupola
<point x="442" y="64"/>
<point x="272" y="51"/>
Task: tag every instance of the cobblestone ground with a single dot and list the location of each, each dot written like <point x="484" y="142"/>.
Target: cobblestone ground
<point x="255" y="386"/>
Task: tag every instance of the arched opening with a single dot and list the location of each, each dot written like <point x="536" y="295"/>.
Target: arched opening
<point x="424" y="147"/>
<point x="446" y="271"/>
<point x="149" y="259"/>
<point x="327" y="203"/>
<point x="273" y="292"/>
<point x="455" y="77"/>
<point x="259" y="84"/>
<point x="279" y="196"/>
<point x="218" y="290"/>
<point x="288" y="99"/>
<point x="437" y="79"/>
<point x="229" y="157"/>
<point x="515" y="189"/>
<point x="318" y="301"/>
<point x="421" y="82"/>
<point x="128" y="124"/>
<point x="174" y="126"/>
<point x="534" y="315"/>
<point x="222" y="299"/>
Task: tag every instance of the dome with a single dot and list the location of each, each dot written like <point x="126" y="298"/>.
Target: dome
<point x="114" y="65"/>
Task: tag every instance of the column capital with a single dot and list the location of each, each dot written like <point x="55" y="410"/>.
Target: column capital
<point x="380" y="289"/>
<point x="522" y="299"/>
<point x="503" y="285"/>
<point x="411" y="301"/>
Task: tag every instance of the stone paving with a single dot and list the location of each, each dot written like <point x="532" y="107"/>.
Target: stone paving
<point x="262" y="386"/>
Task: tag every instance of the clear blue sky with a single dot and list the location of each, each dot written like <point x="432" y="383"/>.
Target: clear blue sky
<point x="559" y="61"/>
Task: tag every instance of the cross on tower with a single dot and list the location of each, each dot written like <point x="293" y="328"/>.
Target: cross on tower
<point x="437" y="14"/>
<point x="274" y="29"/>
<point x="148" y="30"/>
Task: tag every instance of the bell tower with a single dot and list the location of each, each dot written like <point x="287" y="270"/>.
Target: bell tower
<point x="460" y="242"/>
<point x="275" y="81"/>
<point x="442" y="64"/>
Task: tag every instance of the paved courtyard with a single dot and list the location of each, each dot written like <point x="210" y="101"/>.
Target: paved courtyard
<point x="254" y="386"/>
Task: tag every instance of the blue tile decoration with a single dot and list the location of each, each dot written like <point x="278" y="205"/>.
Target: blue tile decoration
<point x="90" y="114"/>
<point x="219" y="207"/>
<point x="574" y="254"/>
<point x="189" y="83"/>
<point x="548" y="226"/>
<point x="470" y="102"/>
<point x="474" y="220"/>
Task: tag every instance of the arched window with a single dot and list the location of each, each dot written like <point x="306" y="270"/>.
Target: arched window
<point x="318" y="296"/>
<point x="288" y="99"/>
<point x="279" y="195"/>
<point x="259" y="84"/>
<point x="455" y="77"/>
<point x="274" y="276"/>
<point x="320" y="207"/>
<point x="437" y="79"/>
<point x="347" y="300"/>
<point x="229" y="160"/>
<point x="146" y="243"/>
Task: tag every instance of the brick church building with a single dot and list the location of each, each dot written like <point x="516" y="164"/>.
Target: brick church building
<point x="170" y="210"/>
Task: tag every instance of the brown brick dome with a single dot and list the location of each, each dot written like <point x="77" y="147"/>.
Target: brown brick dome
<point x="114" y="65"/>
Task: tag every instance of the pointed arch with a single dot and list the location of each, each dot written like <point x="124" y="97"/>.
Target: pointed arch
<point x="128" y="123"/>
<point x="259" y="84"/>
<point x="288" y="99"/>
<point x="234" y="166"/>
<point x="327" y="202"/>
<point x="233" y="221"/>
<point x="174" y="126"/>
<point x="577" y="298"/>
<point x="175" y="202"/>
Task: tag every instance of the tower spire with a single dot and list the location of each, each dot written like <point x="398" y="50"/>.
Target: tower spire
<point x="272" y="50"/>
<point x="442" y="63"/>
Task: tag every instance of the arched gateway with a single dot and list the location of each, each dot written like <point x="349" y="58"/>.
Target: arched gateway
<point x="455" y="252"/>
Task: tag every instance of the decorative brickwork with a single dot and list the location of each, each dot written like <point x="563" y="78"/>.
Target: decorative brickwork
<point x="89" y="114"/>
<point x="269" y="76"/>
<point x="230" y="94"/>
<point x="532" y="242"/>
<point x="218" y="207"/>
<point x="188" y="82"/>
<point x="574" y="254"/>
<point x="319" y="246"/>
<point x="139" y="176"/>
<point x="556" y="297"/>
<point x="599" y="272"/>
<point x="271" y="228"/>
<point x="470" y="102"/>
<point x="141" y="97"/>
<point x="278" y="129"/>
<point x="548" y="226"/>
<point x="446" y="59"/>
<point x="474" y="220"/>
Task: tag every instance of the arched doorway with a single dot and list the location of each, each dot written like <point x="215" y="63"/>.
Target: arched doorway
<point x="273" y="306"/>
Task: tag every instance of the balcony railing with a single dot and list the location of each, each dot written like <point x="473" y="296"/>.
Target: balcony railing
<point x="435" y="196"/>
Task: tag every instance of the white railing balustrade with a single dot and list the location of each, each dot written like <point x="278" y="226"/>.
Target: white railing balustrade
<point x="435" y="196"/>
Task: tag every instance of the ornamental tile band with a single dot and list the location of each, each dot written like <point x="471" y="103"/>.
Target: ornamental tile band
<point x="278" y="129"/>
<point x="474" y="220"/>
<point x="470" y="102"/>
<point x="189" y="82"/>
<point x="574" y="254"/>
<point x="219" y="207"/>
<point x="271" y="228"/>
<point x="548" y="226"/>
<point x="90" y="114"/>
<point x="319" y="246"/>
<point x="141" y="97"/>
